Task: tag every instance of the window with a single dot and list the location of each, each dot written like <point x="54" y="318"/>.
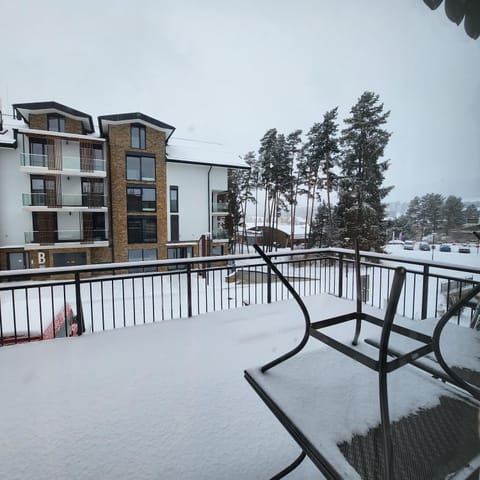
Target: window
<point x="144" y="254"/>
<point x="141" y="199"/>
<point x="137" y="135"/>
<point x="43" y="191"/>
<point x="174" y="230"/>
<point x="217" y="250"/>
<point x="140" y="168"/>
<point x="142" y="229"/>
<point x="173" y="199"/>
<point x="56" y="123"/>
<point x="93" y="192"/>
<point x="38" y="152"/>
<point x="98" y="160"/>
<point x="179" y="252"/>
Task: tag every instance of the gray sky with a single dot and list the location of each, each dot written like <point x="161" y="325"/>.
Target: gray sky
<point x="226" y="71"/>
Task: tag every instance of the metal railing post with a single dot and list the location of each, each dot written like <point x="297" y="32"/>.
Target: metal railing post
<point x="189" y="289"/>
<point x="269" y="284"/>
<point x="80" y="321"/>
<point x="426" y="269"/>
<point x="340" y="275"/>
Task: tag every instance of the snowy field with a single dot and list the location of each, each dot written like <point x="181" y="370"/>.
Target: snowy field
<point x="160" y="401"/>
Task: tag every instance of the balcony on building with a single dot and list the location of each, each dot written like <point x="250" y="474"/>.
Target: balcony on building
<point x="66" y="229"/>
<point x="42" y="201"/>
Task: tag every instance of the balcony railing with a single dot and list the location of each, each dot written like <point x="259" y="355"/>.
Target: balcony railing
<point x="220" y="207"/>
<point x="67" y="163"/>
<point x="219" y="234"/>
<point x="107" y="296"/>
<point x="58" y="236"/>
<point x="89" y="200"/>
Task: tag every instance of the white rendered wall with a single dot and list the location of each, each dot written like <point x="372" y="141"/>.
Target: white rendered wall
<point x="71" y="154"/>
<point x="68" y="224"/>
<point x="14" y="221"/>
<point x="71" y="185"/>
<point x="193" y="196"/>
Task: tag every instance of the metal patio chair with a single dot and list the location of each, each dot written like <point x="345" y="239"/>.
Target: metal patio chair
<point x="416" y="445"/>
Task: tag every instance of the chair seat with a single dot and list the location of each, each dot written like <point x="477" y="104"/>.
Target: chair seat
<point x="330" y="406"/>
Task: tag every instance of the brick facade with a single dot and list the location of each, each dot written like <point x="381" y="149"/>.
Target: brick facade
<point x="39" y="122"/>
<point x="120" y="145"/>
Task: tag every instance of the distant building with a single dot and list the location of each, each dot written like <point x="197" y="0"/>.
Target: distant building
<point x="70" y="195"/>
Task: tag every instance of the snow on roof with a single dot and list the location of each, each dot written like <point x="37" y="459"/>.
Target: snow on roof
<point x="207" y="153"/>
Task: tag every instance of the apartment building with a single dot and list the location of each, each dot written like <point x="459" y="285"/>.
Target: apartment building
<point x="71" y="195"/>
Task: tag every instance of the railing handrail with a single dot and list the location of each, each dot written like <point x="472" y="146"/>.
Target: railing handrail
<point x="229" y="258"/>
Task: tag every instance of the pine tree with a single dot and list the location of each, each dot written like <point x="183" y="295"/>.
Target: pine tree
<point x="432" y="209"/>
<point x="453" y="213"/>
<point x="321" y="226"/>
<point x="360" y="211"/>
<point x="471" y="214"/>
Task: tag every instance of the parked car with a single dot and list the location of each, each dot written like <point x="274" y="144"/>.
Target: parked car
<point x="445" y="247"/>
<point x="424" y="246"/>
<point x="408" y="245"/>
<point x="464" y="249"/>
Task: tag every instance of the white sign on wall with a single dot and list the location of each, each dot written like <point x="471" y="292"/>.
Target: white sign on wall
<point x="41" y="258"/>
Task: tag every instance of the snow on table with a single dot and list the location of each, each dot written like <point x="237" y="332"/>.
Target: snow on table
<point x="165" y="400"/>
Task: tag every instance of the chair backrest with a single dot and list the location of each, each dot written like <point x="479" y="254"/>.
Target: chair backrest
<point x="451" y="312"/>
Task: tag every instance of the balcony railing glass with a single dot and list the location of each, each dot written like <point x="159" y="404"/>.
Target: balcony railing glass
<point x="91" y="200"/>
<point x="58" y="236"/>
<point x="219" y="233"/>
<point x="220" y="207"/>
<point x="67" y="163"/>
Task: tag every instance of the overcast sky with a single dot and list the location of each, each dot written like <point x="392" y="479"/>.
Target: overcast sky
<point x="226" y="71"/>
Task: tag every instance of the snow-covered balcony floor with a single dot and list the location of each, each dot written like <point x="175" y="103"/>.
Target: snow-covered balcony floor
<point x="159" y="401"/>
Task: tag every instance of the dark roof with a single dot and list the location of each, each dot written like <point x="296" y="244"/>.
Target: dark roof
<point x="24" y="109"/>
<point x="104" y="120"/>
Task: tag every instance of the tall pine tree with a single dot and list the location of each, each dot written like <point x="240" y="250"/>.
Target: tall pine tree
<point x="360" y="211"/>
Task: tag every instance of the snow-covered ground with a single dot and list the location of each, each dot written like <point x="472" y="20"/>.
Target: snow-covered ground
<point x="160" y="401"/>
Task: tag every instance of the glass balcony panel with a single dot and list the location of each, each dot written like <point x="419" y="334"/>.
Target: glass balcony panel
<point x="33" y="160"/>
<point x="59" y="236"/>
<point x="220" y="207"/>
<point x="218" y="233"/>
<point x="68" y="162"/>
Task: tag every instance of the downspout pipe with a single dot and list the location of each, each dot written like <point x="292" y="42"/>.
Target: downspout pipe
<point x="209" y="201"/>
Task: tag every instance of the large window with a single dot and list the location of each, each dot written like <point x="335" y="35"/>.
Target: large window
<point x="173" y="199"/>
<point x="139" y="255"/>
<point x="137" y="135"/>
<point x="179" y="252"/>
<point x="174" y="230"/>
<point x="142" y="229"/>
<point x="141" y="167"/>
<point x="93" y="192"/>
<point x="38" y="152"/>
<point x="141" y="199"/>
<point x="174" y="221"/>
<point x="56" y="123"/>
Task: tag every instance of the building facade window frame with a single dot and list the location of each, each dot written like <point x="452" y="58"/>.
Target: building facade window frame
<point x="142" y="255"/>
<point x="140" y="168"/>
<point x="139" y="198"/>
<point x="173" y="199"/>
<point x="55" y="122"/>
<point x="174" y="217"/>
<point x="139" y="230"/>
<point x="138" y="136"/>
<point x="179" y="252"/>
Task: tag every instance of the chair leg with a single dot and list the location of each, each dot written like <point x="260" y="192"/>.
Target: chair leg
<point x="291" y="467"/>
